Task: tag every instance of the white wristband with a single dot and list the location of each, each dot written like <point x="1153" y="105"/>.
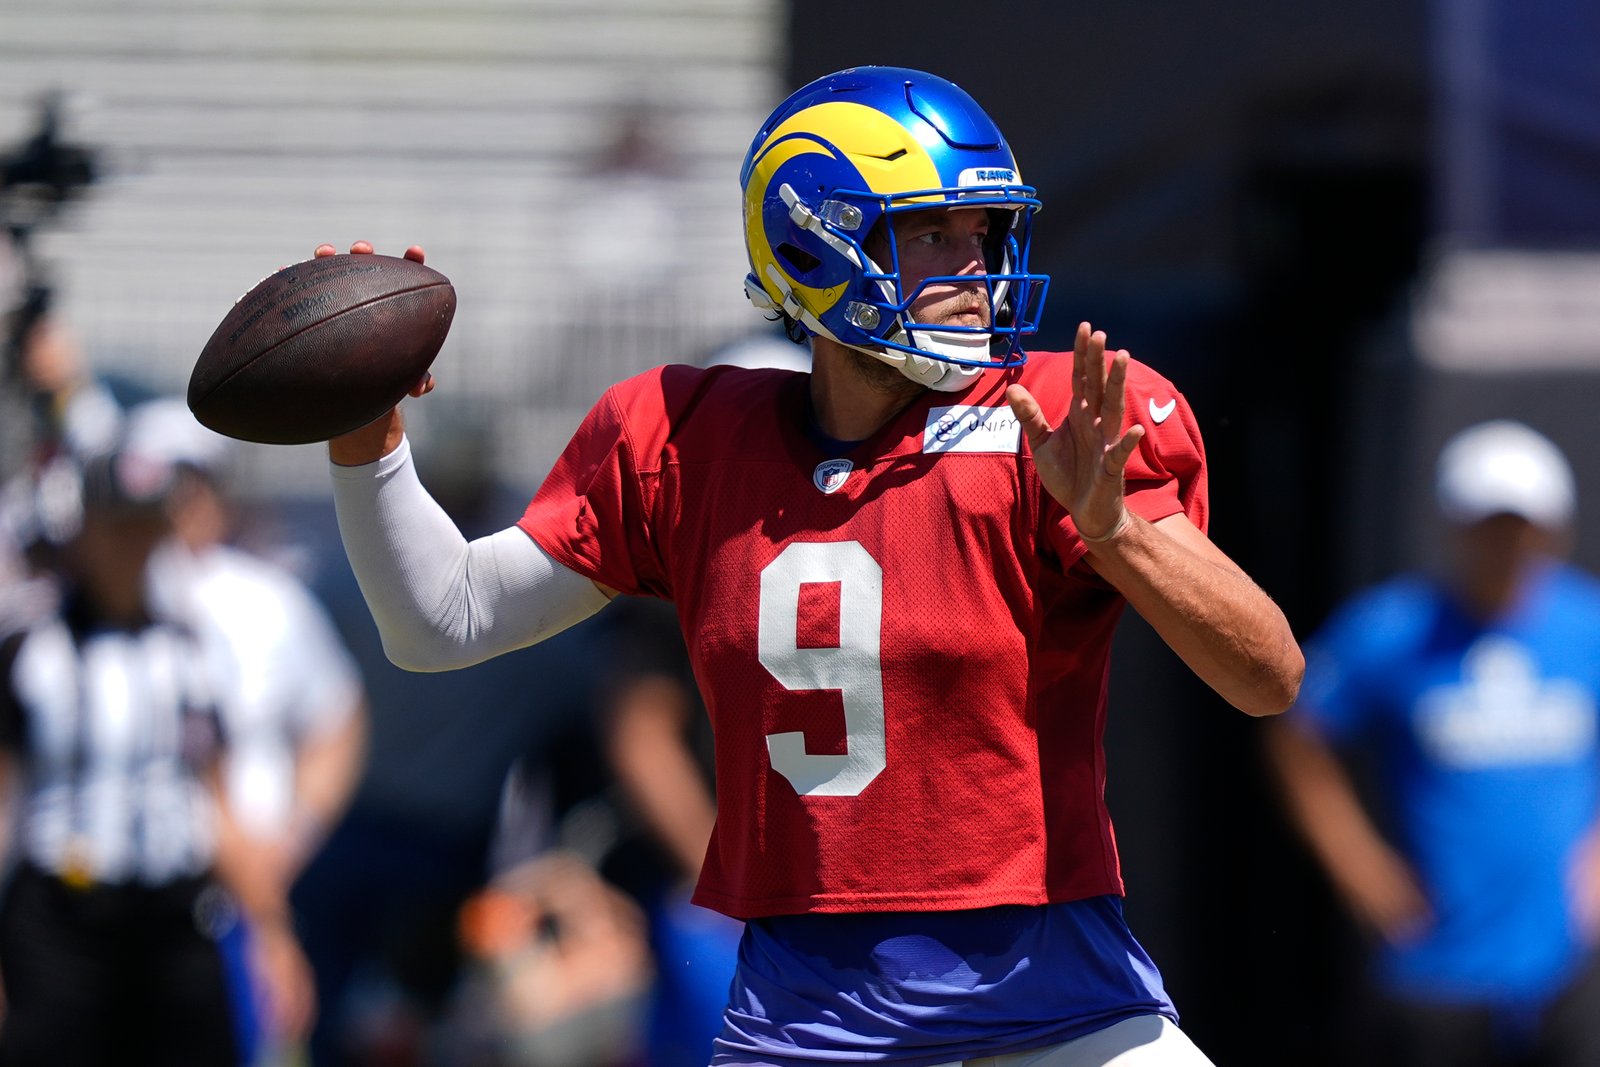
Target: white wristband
<point x="1116" y="528"/>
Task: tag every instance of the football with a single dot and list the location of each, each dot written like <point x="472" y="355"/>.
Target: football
<point x="321" y="348"/>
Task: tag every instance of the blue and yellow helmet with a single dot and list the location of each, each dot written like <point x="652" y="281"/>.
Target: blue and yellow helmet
<point x="850" y="152"/>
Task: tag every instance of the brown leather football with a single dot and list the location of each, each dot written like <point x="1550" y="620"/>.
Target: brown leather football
<point x="321" y="348"/>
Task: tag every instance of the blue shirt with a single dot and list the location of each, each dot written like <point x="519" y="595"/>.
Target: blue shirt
<point x="1486" y="742"/>
<point x="917" y="988"/>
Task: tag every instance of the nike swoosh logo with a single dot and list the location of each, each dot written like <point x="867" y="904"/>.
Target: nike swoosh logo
<point x="1158" y="415"/>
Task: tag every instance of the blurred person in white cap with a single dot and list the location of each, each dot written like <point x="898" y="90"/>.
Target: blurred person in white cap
<point x="293" y="702"/>
<point x="1472" y="694"/>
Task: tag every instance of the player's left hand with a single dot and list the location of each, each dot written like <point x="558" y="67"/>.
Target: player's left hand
<point x="1080" y="462"/>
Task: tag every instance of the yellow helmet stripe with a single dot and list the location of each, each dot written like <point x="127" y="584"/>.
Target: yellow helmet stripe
<point x="886" y="154"/>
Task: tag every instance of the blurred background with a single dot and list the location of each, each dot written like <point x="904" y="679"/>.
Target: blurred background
<point x="1345" y="229"/>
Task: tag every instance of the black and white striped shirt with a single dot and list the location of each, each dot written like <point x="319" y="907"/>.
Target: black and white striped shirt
<point x="116" y="732"/>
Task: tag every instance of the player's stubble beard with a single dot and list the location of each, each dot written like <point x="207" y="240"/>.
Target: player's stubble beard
<point x="963" y="307"/>
<point x="883" y="379"/>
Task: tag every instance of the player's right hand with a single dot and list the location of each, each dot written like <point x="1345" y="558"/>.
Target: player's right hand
<point x="370" y="443"/>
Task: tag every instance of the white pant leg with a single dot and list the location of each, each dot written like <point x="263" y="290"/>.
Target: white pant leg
<point x="1143" y="1041"/>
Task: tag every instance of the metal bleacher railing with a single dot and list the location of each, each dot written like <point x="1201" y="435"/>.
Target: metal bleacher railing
<point x="239" y="134"/>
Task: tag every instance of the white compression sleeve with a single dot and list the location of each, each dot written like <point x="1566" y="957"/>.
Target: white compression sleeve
<point x="439" y="601"/>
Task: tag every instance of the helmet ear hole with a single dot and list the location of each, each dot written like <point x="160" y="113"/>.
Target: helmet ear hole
<point x="798" y="258"/>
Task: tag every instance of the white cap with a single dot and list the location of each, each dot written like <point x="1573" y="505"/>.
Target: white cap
<point x="166" y="430"/>
<point x="1504" y="467"/>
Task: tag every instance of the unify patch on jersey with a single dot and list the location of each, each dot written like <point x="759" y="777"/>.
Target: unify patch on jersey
<point x="971" y="429"/>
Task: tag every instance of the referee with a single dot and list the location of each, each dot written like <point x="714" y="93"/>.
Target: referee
<point x="107" y="715"/>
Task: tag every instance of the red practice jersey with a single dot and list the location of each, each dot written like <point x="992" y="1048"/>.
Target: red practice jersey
<point x="902" y="655"/>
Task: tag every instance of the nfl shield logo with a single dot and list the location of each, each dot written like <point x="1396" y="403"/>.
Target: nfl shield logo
<point x="831" y="473"/>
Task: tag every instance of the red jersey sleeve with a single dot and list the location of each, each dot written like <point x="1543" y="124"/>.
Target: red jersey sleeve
<point x="593" y="512"/>
<point x="1166" y="475"/>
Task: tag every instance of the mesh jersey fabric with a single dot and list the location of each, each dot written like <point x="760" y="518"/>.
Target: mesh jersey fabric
<point x="922" y="618"/>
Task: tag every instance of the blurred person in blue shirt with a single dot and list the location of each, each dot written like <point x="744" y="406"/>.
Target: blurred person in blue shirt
<point x="1473" y="693"/>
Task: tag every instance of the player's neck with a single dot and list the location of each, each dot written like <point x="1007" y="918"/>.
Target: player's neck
<point x="853" y="396"/>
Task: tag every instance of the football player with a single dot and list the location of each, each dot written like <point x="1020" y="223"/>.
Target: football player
<point x="898" y="577"/>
